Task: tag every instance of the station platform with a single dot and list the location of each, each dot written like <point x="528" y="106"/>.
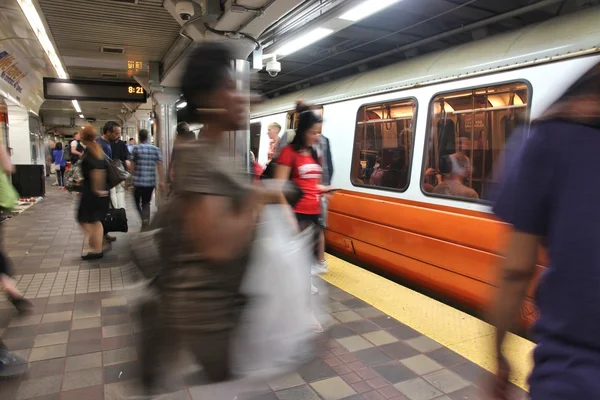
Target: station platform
<point x="383" y="342"/>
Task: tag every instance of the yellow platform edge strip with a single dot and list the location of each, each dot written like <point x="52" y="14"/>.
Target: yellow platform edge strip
<point x="466" y="335"/>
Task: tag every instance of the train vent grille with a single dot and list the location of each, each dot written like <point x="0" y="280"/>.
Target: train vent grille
<point x="127" y="1"/>
<point x="112" y="50"/>
<point x="108" y="75"/>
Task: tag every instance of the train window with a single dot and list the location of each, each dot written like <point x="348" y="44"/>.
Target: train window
<point x="383" y="144"/>
<point x="466" y="139"/>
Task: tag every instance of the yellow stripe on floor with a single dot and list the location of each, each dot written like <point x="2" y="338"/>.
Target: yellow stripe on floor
<point x="458" y="331"/>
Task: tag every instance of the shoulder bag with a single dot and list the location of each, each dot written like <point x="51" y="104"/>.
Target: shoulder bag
<point x="116" y="172"/>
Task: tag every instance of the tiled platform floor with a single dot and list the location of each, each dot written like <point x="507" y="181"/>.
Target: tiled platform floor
<point x="80" y="340"/>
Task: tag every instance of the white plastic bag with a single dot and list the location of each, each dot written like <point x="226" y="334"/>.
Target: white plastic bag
<point x="275" y="334"/>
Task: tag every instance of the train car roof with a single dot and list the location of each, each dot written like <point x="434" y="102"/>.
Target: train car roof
<point x="561" y="37"/>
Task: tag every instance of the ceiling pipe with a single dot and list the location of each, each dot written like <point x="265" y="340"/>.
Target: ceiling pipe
<point x="443" y="35"/>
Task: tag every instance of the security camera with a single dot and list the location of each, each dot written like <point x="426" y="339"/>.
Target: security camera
<point x="273" y="68"/>
<point x="185" y="9"/>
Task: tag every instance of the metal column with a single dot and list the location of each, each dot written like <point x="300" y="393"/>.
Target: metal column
<point x="165" y="125"/>
<point x="238" y="142"/>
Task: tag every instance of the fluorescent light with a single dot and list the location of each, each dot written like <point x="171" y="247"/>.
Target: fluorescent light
<point x="76" y="106"/>
<point x="304" y="40"/>
<point x="365" y="9"/>
<point x="40" y="31"/>
<point x="81" y="116"/>
<point x="181" y="105"/>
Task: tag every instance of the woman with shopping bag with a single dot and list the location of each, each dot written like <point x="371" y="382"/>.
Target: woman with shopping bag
<point x="206" y="232"/>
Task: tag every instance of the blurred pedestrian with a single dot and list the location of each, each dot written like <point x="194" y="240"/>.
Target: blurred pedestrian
<point x="550" y="198"/>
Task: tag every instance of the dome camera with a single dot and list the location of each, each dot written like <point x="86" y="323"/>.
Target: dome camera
<point x="273" y="68"/>
<point x="185" y="9"/>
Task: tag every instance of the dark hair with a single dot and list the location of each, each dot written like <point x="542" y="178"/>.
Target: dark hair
<point x="143" y="135"/>
<point x="58" y="146"/>
<point x="110" y="127"/>
<point x="131" y="139"/>
<point x="301" y="106"/>
<point x="306" y="121"/>
<point x="182" y="128"/>
<point x="207" y="67"/>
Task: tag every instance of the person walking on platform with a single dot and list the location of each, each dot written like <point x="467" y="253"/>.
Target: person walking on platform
<point x="8" y="284"/>
<point x="119" y="152"/>
<point x="324" y="153"/>
<point x="58" y="160"/>
<point x="94" y="201"/>
<point x="549" y="197"/>
<point x="146" y="166"/>
<point x="76" y="148"/>
<point x="207" y="228"/>
<point x="110" y="132"/>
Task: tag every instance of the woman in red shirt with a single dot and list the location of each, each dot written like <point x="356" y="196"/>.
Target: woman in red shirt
<point x="299" y="163"/>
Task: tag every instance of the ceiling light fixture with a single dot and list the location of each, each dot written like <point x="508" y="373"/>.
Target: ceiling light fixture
<point x="365" y="9"/>
<point x="76" y="106"/>
<point x="81" y="116"/>
<point x="303" y="41"/>
<point x="37" y="25"/>
<point x="181" y="105"/>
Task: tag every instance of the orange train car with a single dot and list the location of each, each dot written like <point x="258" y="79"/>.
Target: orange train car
<point x="392" y="131"/>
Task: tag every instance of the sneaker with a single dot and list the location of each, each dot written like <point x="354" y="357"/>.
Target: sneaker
<point x="110" y="238"/>
<point x="313" y="288"/>
<point x="319" y="268"/>
<point x="11" y="365"/>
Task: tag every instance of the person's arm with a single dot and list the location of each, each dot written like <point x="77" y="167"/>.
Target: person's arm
<point x="5" y="161"/>
<point x="329" y="160"/>
<point x="74" y="149"/>
<point x="517" y="272"/>
<point x="160" y="171"/>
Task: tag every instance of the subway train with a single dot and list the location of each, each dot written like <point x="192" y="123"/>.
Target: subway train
<point x="392" y="129"/>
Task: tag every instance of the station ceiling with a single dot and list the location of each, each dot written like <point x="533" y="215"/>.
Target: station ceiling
<point x="116" y="39"/>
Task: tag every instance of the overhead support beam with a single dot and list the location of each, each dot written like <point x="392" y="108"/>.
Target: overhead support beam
<point x="434" y="38"/>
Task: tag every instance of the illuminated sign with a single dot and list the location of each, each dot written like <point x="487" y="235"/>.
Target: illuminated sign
<point x="137" y="65"/>
<point x="89" y="90"/>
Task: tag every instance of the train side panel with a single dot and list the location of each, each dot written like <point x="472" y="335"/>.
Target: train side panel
<point x="450" y="246"/>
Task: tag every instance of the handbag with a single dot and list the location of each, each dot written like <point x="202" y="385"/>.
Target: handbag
<point x="291" y="191"/>
<point x="116" y="172"/>
<point x="115" y="220"/>
<point x="8" y="193"/>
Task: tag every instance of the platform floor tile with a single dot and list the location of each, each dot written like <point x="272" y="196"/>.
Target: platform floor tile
<point x="80" y="340"/>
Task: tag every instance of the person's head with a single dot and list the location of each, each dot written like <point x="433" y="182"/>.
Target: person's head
<point x="52" y="144"/>
<point x="88" y="138"/>
<point x="209" y="89"/>
<point x="307" y="133"/>
<point x="273" y="131"/>
<point x="132" y="141"/>
<point x="184" y="133"/>
<point x="460" y="167"/>
<point x="58" y="146"/>
<point x="143" y="135"/>
<point x="111" y="131"/>
<point x="77" y="136"/>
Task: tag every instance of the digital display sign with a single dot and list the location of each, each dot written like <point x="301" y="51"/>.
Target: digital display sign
<point x="90" y="90"/>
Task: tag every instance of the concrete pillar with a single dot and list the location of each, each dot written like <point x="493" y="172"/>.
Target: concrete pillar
<point x="165" y="124"/>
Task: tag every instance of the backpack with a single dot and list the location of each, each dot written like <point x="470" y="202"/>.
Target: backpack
<point x="67" y="153"/>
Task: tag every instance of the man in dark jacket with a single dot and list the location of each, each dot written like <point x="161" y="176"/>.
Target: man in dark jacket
<point x="324" y="152"/>
<point x="119" y="152"/>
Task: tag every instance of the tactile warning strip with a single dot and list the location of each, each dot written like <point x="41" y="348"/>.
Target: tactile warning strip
<point x="460" y="332"/>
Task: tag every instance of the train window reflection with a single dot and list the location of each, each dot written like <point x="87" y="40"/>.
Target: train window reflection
<point x="467" y="136"/>
<point x="383" y="144"/>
